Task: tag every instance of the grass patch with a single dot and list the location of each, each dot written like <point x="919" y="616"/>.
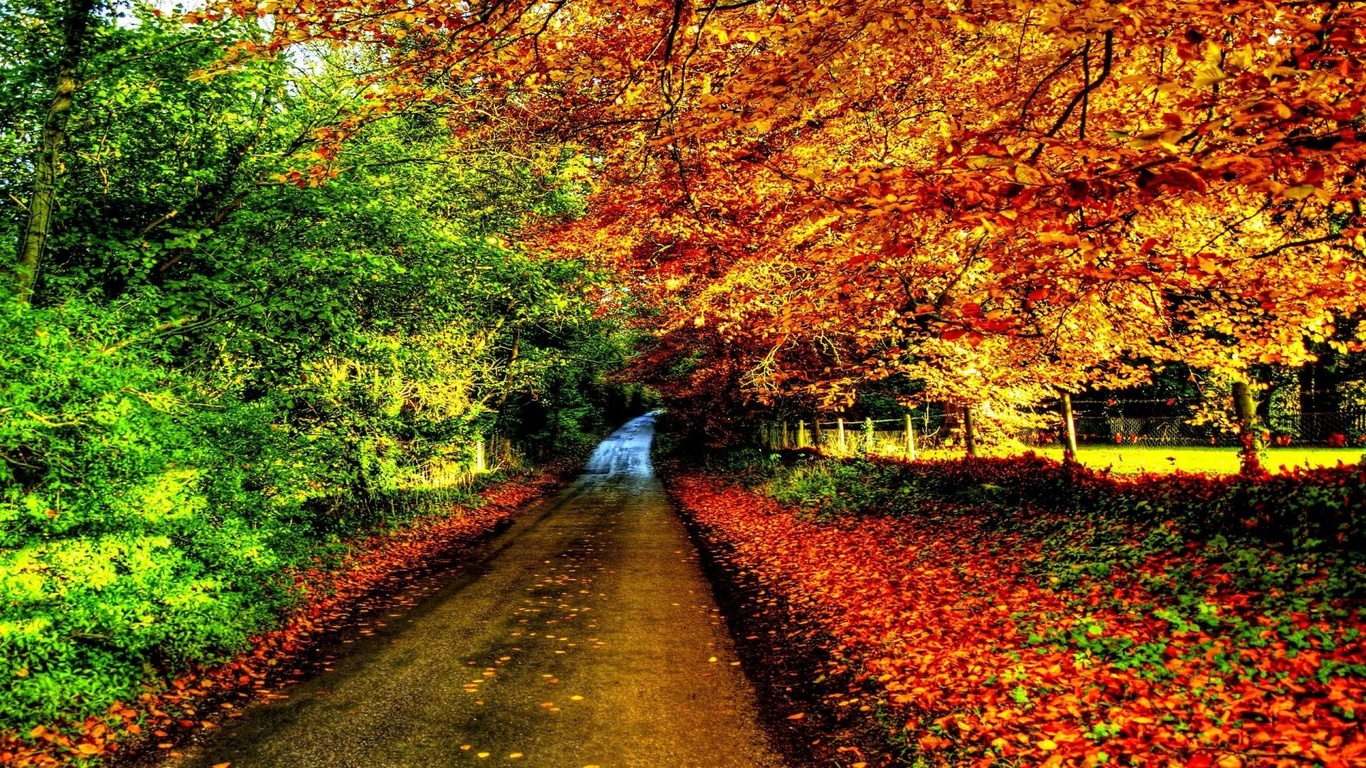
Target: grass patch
<point x="1141" y="459"/>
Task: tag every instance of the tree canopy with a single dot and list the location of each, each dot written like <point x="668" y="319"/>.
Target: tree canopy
<point x="993" y="197"/>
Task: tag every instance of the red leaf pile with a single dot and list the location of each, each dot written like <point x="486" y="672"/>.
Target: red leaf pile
<point x="981" y="663"/>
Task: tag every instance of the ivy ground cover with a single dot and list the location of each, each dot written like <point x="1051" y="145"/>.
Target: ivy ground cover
<point x="331" y="597"/>
<point x="1013" y="635"/>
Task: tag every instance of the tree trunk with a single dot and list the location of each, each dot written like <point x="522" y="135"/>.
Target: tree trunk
<point x="1069" y="449"/>
<point x="969" y="434"/>
<point x="1249" y="431"/>
<point x="42" y="203"/>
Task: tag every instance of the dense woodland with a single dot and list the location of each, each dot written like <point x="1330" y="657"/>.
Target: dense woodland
<point x="274" y="266"/>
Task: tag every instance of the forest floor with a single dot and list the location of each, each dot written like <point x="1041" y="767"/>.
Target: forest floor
<point x="586" y="634"/>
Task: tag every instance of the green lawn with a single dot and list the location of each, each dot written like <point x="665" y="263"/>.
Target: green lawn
<point x="1134" y="459"/>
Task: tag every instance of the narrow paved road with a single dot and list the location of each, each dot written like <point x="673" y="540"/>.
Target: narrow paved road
<point x="587" y="636"/>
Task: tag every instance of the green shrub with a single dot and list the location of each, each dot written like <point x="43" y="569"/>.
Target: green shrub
<point x="141" y="533"/>
<point x="128" y="540"/>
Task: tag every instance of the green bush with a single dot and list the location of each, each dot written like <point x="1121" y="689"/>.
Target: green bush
<point x="141" y="532"/>
<point x="127" y="538"/>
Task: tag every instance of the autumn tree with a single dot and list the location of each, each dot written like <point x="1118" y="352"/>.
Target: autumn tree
<point x="849" y="190"/>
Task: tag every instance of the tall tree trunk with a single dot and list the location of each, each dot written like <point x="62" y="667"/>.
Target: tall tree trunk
<point x="1249" y="431"/>
<point x="1069" y="450"/>
<point x="43" y="199"/>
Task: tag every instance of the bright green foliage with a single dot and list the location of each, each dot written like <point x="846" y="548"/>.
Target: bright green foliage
<point x="127" y="536"/>
<point x="232" y="364"/>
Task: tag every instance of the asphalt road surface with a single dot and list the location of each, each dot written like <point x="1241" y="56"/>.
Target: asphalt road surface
<point x="585" y="635"/>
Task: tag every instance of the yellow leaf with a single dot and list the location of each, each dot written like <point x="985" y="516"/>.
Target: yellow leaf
<point x="1300" y="192"/>
<point x="1026" y="174"/>
<point x="1207" y="75"/>
<point x="1047" y="745"/>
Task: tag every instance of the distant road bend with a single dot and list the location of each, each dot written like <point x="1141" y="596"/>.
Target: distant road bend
<point x="585" y="635"/>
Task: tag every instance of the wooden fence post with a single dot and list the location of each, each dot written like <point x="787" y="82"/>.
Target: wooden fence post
<point x="801" y="434"/>
<point x="969" y="434"/>
<point x="786" y="442"/>
<point x="869" y="436"/>
<point x="843" y="445"/>
<point x="910" y="439"/>
<point x="479" y="464"/>
<point x="816" y="431"/>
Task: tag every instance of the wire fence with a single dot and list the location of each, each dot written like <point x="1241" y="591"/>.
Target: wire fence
<point x="935" y="429"/>
<point x="840" y="437"/>
<point x="1342" y="429"/>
